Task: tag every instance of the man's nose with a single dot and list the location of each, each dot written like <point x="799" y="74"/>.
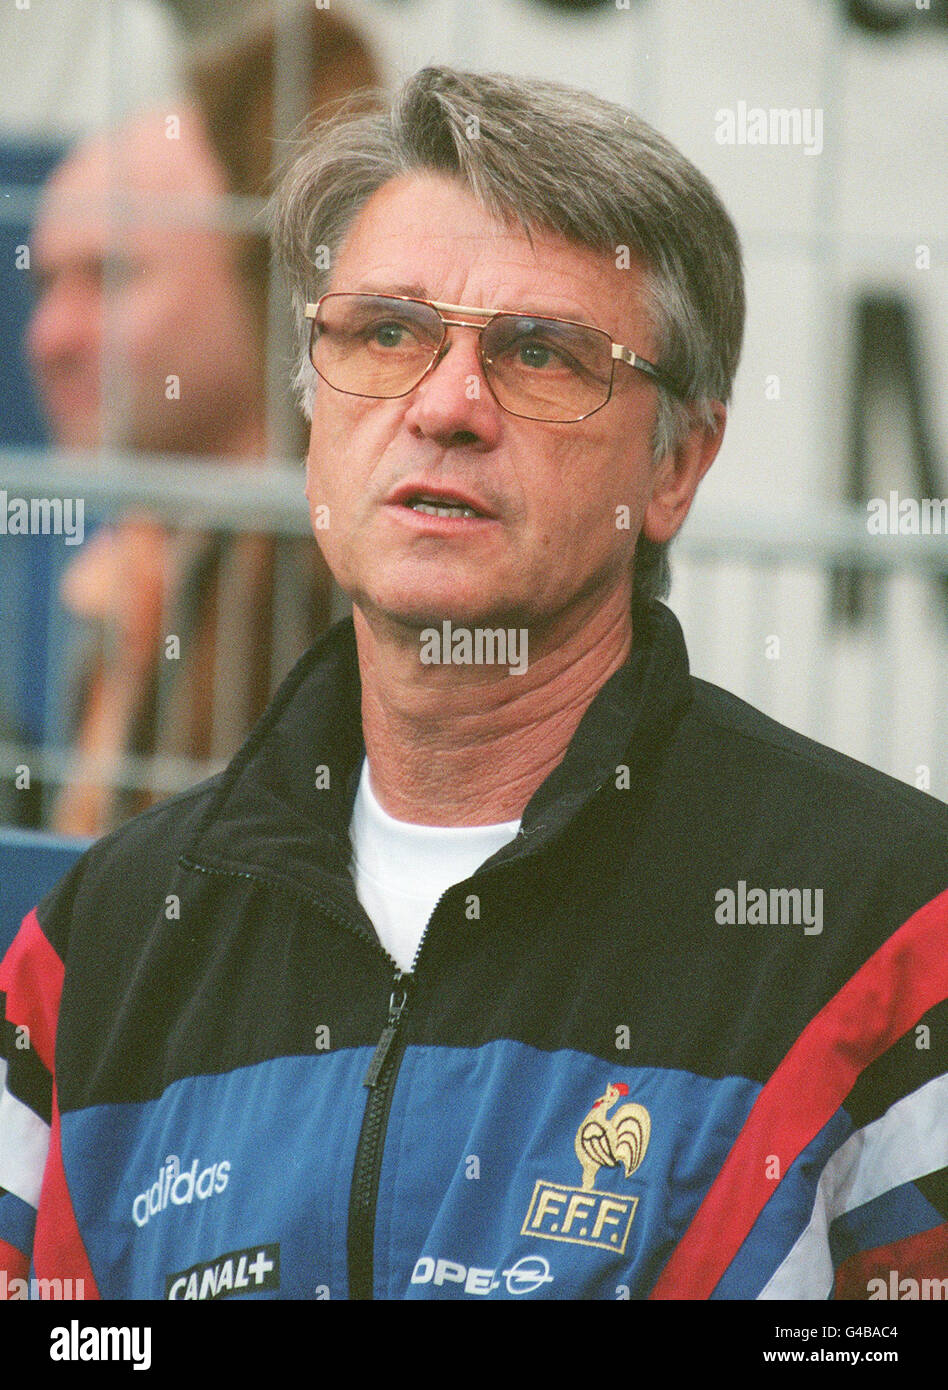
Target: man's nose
<point x="454" y="401"/>
<point x="65" y="324"/>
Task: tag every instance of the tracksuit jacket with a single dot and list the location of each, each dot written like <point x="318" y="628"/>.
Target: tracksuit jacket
<point x="683" y="1038"/>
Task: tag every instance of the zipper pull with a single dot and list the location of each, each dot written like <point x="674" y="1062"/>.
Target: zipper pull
<point x="396" y="1005"/>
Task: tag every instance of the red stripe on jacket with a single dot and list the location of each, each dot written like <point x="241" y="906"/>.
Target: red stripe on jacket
<point x="59" y="1251"/>
<point x="14" y="1265"/>
<point x="922" y="1256"/>
<point x="900" y="982"/>
<point x="31" y="974"/>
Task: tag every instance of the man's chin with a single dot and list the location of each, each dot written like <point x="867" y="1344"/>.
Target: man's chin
<point x="416" y="612"/>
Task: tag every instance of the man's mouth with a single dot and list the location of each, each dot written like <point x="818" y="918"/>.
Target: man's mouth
<point x="434" y="502"/>
<point x="439" y="506"/>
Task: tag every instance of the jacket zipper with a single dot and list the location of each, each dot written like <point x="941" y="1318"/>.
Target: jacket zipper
<point x="380" y="1081"/>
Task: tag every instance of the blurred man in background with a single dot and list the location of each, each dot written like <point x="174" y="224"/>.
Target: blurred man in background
<point x="149" y="334"/>
<point x="68" y="71"/>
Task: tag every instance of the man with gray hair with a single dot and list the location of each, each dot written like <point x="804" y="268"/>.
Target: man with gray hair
<point x="506" y="959"/>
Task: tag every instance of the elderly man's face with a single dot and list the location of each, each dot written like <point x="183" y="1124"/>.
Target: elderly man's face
<point x="141" y="333"/>
<point x="548" y="539"/>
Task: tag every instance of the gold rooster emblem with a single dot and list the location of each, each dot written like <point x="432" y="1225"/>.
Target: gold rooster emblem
<point x="604" y="1142"/>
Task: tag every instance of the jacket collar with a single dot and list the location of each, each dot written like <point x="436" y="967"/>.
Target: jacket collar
<point x="283" y="806"/>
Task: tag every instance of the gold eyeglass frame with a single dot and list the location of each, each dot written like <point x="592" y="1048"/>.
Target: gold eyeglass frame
<point x="619" y="352"/>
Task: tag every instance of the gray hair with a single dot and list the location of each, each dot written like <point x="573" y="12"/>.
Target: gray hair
<point x="547" y="156"/>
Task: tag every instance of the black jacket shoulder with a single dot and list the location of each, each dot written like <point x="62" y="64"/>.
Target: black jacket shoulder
<point x="128" y="869"/>
<point x="810" y="765"/>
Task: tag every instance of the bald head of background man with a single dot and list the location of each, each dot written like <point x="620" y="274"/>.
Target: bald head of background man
<point x="143" y="334"/>
<point x="139" y="283"/>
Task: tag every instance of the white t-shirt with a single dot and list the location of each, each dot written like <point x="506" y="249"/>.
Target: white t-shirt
<point x="401" y="870"/>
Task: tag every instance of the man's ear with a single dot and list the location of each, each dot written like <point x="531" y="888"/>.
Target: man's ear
<point x="678" y="474"/>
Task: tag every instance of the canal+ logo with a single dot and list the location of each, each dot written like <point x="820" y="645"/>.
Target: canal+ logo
<point x="177" y="1186"/>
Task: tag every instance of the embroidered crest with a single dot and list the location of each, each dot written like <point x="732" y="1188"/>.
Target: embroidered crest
<point x="583" y="1215"/>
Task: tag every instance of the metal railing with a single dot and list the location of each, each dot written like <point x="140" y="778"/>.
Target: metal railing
<point x="754" y="590"/>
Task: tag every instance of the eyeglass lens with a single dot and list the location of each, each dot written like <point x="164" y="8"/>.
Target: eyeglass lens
<point x="545" y="369"/>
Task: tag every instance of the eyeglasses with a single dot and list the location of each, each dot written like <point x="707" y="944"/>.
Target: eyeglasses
<point x="383" y="346"/>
